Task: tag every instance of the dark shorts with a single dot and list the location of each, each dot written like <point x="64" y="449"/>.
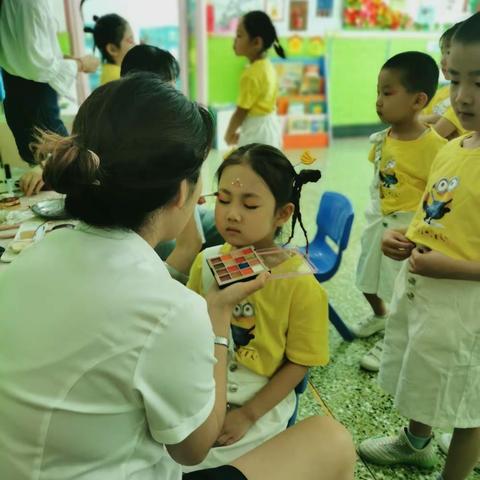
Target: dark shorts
<point x="226" y="472"/>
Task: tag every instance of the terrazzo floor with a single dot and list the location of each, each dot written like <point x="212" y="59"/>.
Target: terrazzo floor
<point x="342" y="388"/>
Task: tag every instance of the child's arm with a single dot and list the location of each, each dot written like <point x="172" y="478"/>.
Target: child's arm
<point x="445" y="128"/>
<point x="239" y="420"/>
<point x="231" y="136"/>
<point x="396" y="245"/>
<point x="431" y="119"/>
<point x="430" y="263"/>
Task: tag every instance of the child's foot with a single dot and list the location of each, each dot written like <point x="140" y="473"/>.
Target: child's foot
<point x="398" y="450"/>
<point x="371" y="360"/>
<point x="368" y="326"/>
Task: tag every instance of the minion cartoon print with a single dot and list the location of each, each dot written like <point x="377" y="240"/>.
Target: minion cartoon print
<point x="243" y="323"/>
<point x="387" y="175"/>
<point x="436" y="204"/>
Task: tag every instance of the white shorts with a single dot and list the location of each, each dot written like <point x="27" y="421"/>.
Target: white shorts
<point x="242" y="385"/>
<point x="261" y="129"/>
<point x="431" y="356"/>
<point x="376" y="273"/>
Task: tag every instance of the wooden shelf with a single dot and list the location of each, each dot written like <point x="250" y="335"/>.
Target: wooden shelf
<point x="302" y="98"/>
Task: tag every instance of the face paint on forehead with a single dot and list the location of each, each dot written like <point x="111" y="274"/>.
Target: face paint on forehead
<point x="237" y="183"/>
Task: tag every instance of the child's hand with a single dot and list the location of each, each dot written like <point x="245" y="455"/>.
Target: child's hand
<point x="396" y="245"/>
<point x="236" y="425"/>
<point x="430" y="263"/>
<point x="32" y="182"/>
<point x="231" y="138"/>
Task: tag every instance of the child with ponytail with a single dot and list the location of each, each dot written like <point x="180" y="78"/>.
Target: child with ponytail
<point x="278" y="332"/>
<point x="113" y="36"/>
<point x="255" y="120"/>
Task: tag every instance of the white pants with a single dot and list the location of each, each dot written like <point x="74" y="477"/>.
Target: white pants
<point x="376" y="273"/>
<point x="431" y="356"/>
<point x="242" y="385"/>
<point x="261" y="129"/>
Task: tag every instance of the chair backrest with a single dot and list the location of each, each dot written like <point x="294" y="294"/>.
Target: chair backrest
<point x="334" y="219"/>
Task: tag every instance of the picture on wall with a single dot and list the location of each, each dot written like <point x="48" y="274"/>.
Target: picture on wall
<point x="324" y="8"/>
<point x="226" y="13"/>
<point x="298" y="15"/>
<point x="275" y="9"/>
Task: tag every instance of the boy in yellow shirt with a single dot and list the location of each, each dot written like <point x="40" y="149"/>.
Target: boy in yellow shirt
<point x="402" y="156"/>
<point x="431" y="362"/>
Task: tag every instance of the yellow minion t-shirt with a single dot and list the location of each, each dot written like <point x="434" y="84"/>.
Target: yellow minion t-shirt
<point x="439" y="103"/>
<point x="447" y="220"/>
<point x="403" y="170"/>
<point x="109" y="73"/>
<point x="286" y="319"/>
<point x="258" y="88"/>
<point x="451" y="116"/>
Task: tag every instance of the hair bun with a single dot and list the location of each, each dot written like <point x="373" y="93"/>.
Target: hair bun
<point x="308" y="176"/>
<point x="96" y="18"/>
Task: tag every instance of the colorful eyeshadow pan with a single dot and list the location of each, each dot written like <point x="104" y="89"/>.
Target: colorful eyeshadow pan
<point x="236" y="266"/>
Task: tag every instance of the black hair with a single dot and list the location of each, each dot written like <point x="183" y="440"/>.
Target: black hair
<point x="469" y="30"/>
<point x="147" y="58"/>
<point x="278" y="173"/>
<point x="108" y="28"/>
<point x="134" y="140"/>
<point x="418" y="72"/>
<point x="447" y="35"/>
<point x="259" y="24"/>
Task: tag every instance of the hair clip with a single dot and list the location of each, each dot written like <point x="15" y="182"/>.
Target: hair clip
<point x="306" y="159"/>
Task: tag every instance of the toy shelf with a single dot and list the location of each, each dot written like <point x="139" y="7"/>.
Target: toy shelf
<point x="302" y="102"/>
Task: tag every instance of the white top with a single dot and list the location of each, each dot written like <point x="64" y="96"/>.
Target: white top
<point x="104" y="358"/>
<point x="29" y="47"/>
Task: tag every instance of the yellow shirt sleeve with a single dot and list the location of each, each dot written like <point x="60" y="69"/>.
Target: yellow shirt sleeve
<point x="195" y="278"/>
<point x="110" y="72"/>
<point x="307" y="336"/>
<point x="249" y="92"/>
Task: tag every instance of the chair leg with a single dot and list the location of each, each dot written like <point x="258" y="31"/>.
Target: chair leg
<point x="338" y="323"/>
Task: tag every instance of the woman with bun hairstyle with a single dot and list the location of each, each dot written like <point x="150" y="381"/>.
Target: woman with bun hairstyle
<point x="110" y="368"/>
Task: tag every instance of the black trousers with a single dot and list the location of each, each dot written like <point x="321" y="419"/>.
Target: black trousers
<point x="226" y="472"/>
<point x="30" y="104"/>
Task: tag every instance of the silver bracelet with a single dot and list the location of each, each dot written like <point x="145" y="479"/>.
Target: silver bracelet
<point x="221" y="341"/>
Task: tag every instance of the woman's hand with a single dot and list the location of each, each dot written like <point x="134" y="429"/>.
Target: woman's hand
<point x="231" y="138"/>
<point x="236" y="425"/>
<point x="221" y="302"/>
<point x="32" y="182"/>
<point x="396" y="245"/>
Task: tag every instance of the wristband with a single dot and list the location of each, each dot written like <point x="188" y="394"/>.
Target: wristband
<point x="221" y="341"/>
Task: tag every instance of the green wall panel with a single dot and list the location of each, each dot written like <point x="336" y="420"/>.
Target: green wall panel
<point x="224" y="70"/>
<point x="353" y="69"/>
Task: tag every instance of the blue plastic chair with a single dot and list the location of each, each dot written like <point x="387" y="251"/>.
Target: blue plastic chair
<point x="334" y="221"/>
<point x="299" y="389"/>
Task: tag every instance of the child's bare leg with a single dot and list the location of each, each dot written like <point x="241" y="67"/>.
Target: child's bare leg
<point x="377" y="304"/>
<point x="318" y="448"/>
<point x="463" y="453"/>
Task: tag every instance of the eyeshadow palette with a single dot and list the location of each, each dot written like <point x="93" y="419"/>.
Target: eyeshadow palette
<point x="286" y="262"/>
<point x="236" y="266"/>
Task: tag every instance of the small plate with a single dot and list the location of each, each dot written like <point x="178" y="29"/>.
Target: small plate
<point x="54" y="209"/>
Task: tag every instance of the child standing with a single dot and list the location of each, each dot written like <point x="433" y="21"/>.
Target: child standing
<point x="280" y="332"/>
<point x="431" y="363"/>
<point x="433" y="112"/>
<point x="255" y="118"/>
<point x="402" y="156"/>
<point x="113" y="36"/>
